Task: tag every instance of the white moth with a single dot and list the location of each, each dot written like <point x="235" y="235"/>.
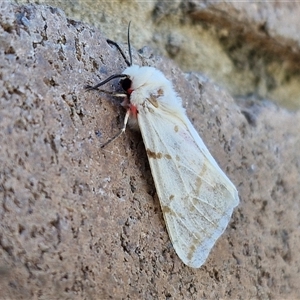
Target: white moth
<point x="196" y="197"/>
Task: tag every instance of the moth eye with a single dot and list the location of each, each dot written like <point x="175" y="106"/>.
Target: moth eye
<point x="126" y="83"/>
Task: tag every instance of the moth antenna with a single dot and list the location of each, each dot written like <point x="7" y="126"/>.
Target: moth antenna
<point x="128" y="63"/>
<point x="95" y="87"/>
<point x="120" y="50"/>
<point x="129" y="46"/>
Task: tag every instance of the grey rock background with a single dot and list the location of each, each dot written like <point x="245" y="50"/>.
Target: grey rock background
<point x="250" y="48"/>
<point x="78" y="222"/>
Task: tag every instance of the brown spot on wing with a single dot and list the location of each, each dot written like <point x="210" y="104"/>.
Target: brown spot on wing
<point x="199" y="178"/>
<point x="176" y="128"/>
<point x="193" y="246"/>
<point x="160" y="92"/>
<point x="167" y="210"/>
<point x="153" y="100"/>
<point x="154" y="96"/>
<point x="191" y="251"/>
<point x="154" y="155"/>
<point x="157" y="155"/>
<point x="194" y="202"/>
<point x="171" y="197"/>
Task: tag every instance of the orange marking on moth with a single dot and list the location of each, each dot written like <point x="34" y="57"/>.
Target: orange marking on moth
<point x="133" y="110"/>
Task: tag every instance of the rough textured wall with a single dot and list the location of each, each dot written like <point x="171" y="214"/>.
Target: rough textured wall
<point x="79" y="222"/>
<point x="250" y="48"/>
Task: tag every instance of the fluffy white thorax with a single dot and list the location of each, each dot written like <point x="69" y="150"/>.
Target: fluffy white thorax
<point x="149" y="81"/>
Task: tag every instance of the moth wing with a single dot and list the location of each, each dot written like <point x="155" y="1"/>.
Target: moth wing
<point x="197" y="199"/>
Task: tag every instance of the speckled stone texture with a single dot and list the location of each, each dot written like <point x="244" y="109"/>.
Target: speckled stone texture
<point x="81" y="222"/>
<point x="247" y="47"/>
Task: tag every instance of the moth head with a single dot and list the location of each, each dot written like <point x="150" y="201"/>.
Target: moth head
<point x="126" y="83"/>
<point x="146" y="77"/>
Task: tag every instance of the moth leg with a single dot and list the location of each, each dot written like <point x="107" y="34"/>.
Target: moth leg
<point x="113" y="94"/>
<point x="120" y="132"/>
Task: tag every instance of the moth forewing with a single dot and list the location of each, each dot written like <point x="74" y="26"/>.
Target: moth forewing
<point x="197" y="198"/>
